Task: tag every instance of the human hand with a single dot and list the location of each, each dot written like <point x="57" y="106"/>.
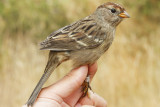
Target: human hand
<point x="67" y="91"/>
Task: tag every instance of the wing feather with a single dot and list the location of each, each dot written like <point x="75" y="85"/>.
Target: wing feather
<point x="83" y="34"/>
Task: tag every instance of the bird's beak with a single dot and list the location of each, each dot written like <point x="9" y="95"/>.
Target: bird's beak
<point x="124" y="15"/>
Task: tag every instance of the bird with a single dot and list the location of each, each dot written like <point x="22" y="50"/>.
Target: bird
<point x="82" y="42"/>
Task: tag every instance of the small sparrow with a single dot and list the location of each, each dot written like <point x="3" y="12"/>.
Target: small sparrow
<point x="83" y="42"/>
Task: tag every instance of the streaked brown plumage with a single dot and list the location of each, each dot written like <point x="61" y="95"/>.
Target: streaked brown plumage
<point x="83" y="42"/>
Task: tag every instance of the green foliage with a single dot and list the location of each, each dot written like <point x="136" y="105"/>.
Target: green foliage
<point x="150" y="8"/>
<point x="31" y="18"/>
<point x="146" y="8"/>
<point x="38" y="18"/>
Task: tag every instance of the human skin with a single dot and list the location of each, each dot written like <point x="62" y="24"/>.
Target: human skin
<point x="67" y="91"/>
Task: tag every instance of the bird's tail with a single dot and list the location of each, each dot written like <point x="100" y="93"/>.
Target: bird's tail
<point x="53" y="62"/>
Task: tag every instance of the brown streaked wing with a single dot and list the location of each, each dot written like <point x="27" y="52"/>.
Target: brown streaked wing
<point x="80" y="35"/>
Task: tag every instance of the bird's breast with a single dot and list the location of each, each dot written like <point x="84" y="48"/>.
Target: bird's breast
<point x="108" y="41"/>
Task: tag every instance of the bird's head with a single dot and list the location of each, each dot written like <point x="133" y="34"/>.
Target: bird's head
<point x="111" y="13"/>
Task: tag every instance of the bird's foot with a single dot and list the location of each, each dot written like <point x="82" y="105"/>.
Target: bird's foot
<point x="86" y="86"/>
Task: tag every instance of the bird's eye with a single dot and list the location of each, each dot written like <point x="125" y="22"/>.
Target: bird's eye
<point x="113" y="10"/>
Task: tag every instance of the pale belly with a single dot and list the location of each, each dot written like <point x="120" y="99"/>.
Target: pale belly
<point x="88" y="56"/>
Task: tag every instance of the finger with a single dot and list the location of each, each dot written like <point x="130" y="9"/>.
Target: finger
<point x="94" y="100"/>
<point x="98" y="101"/>
<point x="68" y="84"/>
<point x="92" y="69"/>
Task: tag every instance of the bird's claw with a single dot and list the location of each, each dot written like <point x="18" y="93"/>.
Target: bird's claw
<point x="86" y="86"/>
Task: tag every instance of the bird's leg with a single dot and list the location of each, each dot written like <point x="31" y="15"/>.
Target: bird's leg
<point x="86" y="86"/>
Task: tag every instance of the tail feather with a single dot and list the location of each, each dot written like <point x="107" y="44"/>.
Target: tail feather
<point x="53" y="62"/>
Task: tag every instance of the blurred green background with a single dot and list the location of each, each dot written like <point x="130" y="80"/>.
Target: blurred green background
<point x="128" y="74"/>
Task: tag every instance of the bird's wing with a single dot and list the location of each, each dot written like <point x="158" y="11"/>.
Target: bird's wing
<point x="84" y="34"/>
